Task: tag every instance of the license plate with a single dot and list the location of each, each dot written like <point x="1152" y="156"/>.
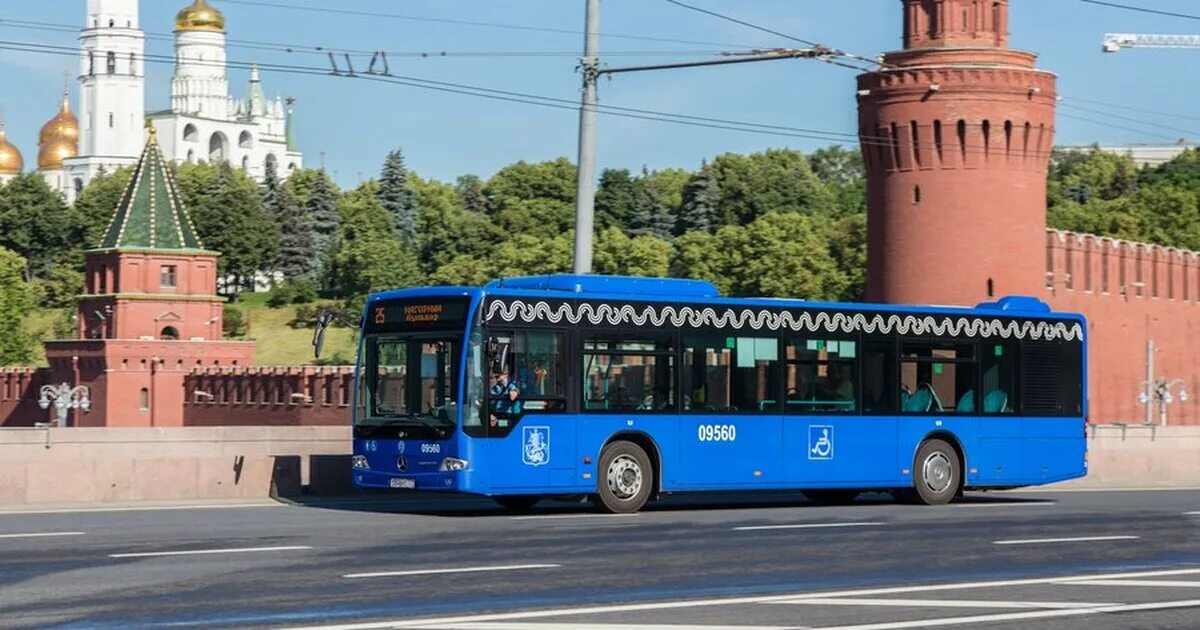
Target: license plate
<point x="410" y="484"/>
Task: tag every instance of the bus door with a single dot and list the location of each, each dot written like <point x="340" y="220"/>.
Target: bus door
<point x="729" y="428"/>
<point x="533" y="438"/>
<point x="839" y="424"/>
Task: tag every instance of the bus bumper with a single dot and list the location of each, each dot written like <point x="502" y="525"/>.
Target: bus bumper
<point x="428" y="481"/>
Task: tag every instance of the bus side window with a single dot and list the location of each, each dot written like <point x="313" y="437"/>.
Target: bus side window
<point x="998" y="363"/>
<point x="881" y="383"/>
<point x="822" y="376"/>
<point x="526" y="378"/>
<point x="730" y="374"/>
<point x="938" y="377"/>
<point x="628" y="374"/>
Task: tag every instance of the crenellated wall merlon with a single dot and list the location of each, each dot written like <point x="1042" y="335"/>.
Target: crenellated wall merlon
<point x="1107" y="265"/>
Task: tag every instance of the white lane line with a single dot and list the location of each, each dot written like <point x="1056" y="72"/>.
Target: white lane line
<point x="148" y="508"/>
<point x="205" y="552"/>
<point x="512" y="567"/>
<point x="1154" y="583"/>
<point x="1041" y="614"/>
<point x="737" y="601"/>
<point x="961" y="506"/>
<point x="753" y="528"/>
<point x="939" y="603"/>
<point x="42" y="534"/>
<point x="1191" y="513"/>
<point x="546" y="625"/>
<point x="1039" y="541"/>
<point x="539" y="517"/>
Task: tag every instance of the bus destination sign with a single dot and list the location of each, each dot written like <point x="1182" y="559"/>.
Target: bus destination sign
<point x="417" y="314"/>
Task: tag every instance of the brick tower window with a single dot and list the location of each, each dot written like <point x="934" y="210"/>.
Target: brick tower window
<point x="168" y="278"/>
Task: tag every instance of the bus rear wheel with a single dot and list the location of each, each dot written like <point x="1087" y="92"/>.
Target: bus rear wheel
<point x="625" y="479"/>
<point x="937" y="473"/>
<point x="519" y="502"/>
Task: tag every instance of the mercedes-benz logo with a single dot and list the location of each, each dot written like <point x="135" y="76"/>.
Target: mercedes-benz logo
<point x="402" y="464"/>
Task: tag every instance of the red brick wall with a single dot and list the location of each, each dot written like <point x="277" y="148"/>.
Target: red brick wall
<point x="1131" y="293"/>
<point x="19" y="397"/>
<point x="291" y="396"/>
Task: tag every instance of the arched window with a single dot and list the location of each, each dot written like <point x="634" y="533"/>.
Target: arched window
<point x="217" y="147"/>
<point x="916" y="194"/>
<point x="91" y="62"/>
<point x="292" y="166"/>
<point x="271" y="161"/>
<point x="245" y="162"/>
<point x="78" y="186"/>
<point x="112" y="23"/>
<point x="112" y="62"/>
<point x="112" y="121"/>
<point x="132" y="64"/>
<point x="169" y="334"/>
<point x="190" y="133"/>
<point x="144" y="400"/>
<point x="191" y="156"/>
<point x="245" y="140"/>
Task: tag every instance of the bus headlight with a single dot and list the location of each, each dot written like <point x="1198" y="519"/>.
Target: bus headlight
<point x="451" y="464"/>
<point x="360" y="462"/>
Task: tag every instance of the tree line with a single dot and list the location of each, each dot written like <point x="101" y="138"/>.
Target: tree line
<point x="776" y="223"/>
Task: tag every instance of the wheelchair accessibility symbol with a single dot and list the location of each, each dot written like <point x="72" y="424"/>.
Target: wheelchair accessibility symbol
<point x="820" y="441"/>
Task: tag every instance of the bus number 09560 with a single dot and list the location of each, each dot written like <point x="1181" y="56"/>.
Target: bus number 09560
<point x="716" y="432"/>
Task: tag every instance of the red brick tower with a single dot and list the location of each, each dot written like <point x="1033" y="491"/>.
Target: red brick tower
<point x="150" y="313"/>
<point x="956" y="134"/>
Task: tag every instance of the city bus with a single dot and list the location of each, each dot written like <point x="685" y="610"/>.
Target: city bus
<point x="625" y="389"/>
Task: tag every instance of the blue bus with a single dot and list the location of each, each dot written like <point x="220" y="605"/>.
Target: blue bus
<point x="624" y="389"/>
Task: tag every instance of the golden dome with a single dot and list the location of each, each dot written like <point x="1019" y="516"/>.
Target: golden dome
<point x="11" y="162"/>
<point x="200" y="17"/>
<point x="64" y="125"/>
<point x="52" y="154"/>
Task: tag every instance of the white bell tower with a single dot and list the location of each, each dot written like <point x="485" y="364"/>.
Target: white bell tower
<point x="112" y="95"/>
<point x="200" y="87"/>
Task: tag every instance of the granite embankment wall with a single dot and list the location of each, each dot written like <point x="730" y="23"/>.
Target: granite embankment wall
<point x="114" y="465"/>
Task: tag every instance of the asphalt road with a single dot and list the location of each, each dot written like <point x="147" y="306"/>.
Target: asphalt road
<point x="1014" y="560"/>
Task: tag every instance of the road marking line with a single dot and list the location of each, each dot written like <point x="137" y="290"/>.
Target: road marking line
<point x="42" y="534"/>
<point x="1156" y="583"/>
<point x="545" y="625"/>
<point x="513" y="567"/>
<point x="1038" y="541"/>
<point x="940" y="603"/>
<point x="805" y="526"/>
<point x="148" y="508"/>
<point x="736" y="601"/>
<point x="1191" y="513"/>
<point x="538" y="517"/>
<point x="1009" y="505"/>
<point x="203" y="552"/>
<point x="1042" y="614"/>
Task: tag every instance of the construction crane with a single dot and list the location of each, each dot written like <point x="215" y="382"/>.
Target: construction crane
<point x="1116" y="42"/>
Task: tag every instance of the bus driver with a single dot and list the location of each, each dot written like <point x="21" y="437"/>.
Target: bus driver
<point x="504" y="396"/>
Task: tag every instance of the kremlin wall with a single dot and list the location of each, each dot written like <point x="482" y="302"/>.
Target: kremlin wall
<point x="956" y="131"/>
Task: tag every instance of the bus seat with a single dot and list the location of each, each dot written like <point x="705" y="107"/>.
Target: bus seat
<point x="995" y="401"/>
<point x="966" y="404"/>
<point x="904" y="396"/>
<point x="937" y="402"/>
<point x="919" y="402"/>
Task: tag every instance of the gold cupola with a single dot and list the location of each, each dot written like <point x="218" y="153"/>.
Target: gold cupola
<point x="200" y="17"/>
<point x="64" y="125"/>
<point x="11" y="162"/>
<point x="59" y="138"/>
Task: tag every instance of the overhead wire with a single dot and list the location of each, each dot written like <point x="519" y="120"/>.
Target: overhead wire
<point x="1129" y="7"/>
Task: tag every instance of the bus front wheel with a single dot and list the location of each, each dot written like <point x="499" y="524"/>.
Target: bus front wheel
<point x="937" y="473"/>
<point x="625" y="478"/>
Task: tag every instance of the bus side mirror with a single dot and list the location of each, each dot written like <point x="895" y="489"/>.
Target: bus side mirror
<point x="499" y="356"/>
<point x="318" y="342"/>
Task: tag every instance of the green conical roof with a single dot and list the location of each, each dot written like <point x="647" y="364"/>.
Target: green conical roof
<point x="151" y="214"/>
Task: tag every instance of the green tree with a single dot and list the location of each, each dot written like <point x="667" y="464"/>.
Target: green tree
<point x="651" y="214"/>
<point x="533" y="198"/>
<point x="368" y="257"/>
<point x="615" y="198"/>
<point x="16" y="346"/>
<point x="617" y="254"/>
<point x="322" y="210"/>
<point x="1091" y="175"/>
<point x="779" y="180"/>
<point x="397" y="198"/>
<point x="843" y="172"/>
<point x="230" y="218"/>
<point x="270" y="187"/>
<point x="298" y="258"/>
<point x="37" y="225"/>
<point x="701" y="203"/>
<point x="446" y="229"/>
<point x="848" y="246"/>
<point x="470" y="194"/>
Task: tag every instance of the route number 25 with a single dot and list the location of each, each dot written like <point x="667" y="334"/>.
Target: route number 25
<point x="716" y="432"/>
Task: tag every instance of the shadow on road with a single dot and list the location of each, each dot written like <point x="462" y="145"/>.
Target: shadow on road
<point x="468" y="506"/>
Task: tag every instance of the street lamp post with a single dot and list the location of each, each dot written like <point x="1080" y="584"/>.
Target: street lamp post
<point x="1160" y="391"/>
<point x="64" y="398"/>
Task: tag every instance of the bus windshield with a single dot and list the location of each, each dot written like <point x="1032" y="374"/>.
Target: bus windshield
<point x="408" y="386"/>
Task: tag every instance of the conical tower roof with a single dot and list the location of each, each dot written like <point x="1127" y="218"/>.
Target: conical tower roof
<point x="151" y="214"/>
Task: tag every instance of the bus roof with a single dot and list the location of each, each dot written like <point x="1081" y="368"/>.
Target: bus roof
<point x="671" y="289"/>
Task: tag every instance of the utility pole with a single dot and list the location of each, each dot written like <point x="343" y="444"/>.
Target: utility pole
<point x="585" y="201"/>
<point x="1150" y="382"/>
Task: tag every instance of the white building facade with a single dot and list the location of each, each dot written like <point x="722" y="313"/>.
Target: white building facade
<point x="204" y="122"/>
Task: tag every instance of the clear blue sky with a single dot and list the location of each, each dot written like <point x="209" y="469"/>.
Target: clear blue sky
<point x="445" y="135"/>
